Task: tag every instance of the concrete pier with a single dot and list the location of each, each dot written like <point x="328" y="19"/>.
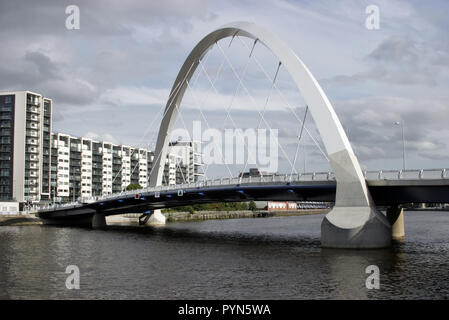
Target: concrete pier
<point x="156" y="219"/>
<point x="395" y="216"/>
<point x="355" y="228"/>
<point x="98" y="221"/>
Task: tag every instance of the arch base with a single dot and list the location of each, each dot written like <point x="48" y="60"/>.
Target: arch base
<point x="355" y="228"/>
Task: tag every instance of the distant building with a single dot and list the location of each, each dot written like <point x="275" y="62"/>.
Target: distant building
<point x="281" y="206"/>
<point x="9" y="207"/>
<point x="289" y="205"/>
<point x="186" y="158"/>
<point x="82" y="167"/>
<point x="254" y="172"/>
<point x="313" y="205"/>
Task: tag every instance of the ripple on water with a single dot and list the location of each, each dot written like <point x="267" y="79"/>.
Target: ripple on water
<point x="270" y="258"/>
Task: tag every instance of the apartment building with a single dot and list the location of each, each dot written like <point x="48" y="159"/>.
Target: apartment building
<point x="25" y="132"/>
<point x="82" y="167"/>
<point x="37" y="165"/>
<point x="187" y="155"/>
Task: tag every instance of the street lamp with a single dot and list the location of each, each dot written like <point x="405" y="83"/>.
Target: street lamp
<point x="401" y="123"/>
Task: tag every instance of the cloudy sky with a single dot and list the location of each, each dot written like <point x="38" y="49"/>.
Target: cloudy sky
<point x="111" y="77"/>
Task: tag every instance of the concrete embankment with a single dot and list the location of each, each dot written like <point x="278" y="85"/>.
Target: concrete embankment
<point x="427" y="209"/>
<point x="211" y="215"/>
<point x="19" y="220"/>
<point x="132" y="218"/>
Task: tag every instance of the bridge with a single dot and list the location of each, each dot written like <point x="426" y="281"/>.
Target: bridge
<point x="355" y="221"/>
<point x="389" y="189"/>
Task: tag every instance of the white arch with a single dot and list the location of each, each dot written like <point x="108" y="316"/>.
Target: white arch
<point x="342" y="158"/>
<point x="354" y="222"/>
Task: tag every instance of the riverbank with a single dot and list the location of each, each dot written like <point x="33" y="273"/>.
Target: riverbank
<point x="219" y="215"/>
<point x="19" y="220"/>
<point x="427" y="209"/>
<point x="132" y="218"/>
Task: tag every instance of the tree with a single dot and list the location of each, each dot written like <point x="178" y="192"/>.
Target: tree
<point x="133" y="186"/>
<point x="252" y="205"/>
<point x="190" y="209"/>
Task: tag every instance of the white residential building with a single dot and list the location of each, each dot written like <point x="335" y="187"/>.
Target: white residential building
<point x="82" y="167"/>
<point x="39" y="166"/>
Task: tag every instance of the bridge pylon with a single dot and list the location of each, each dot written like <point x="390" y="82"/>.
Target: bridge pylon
<point x="395" y="216"/>
<point x="354" y="222"/>
<point x="156" y="218"/>
<point x="98" y="221"/>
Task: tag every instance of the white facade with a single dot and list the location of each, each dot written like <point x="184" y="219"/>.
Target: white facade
<point x="82" y="167"/>
<point x="107" y="167"/>
<point x="86" y="168"/>
<point x="9" y="207"/>
<point x="184" y="162"/>
<point x="61" y="146"/>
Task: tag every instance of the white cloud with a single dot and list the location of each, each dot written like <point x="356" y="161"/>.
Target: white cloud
<point x="106" y="137"/>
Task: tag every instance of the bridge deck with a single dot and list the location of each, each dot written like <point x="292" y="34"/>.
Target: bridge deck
<point x="384" y="191"/>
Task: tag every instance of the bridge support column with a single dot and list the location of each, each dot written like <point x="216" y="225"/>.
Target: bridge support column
<point x="98" y="221"/>
<point x="354" y="222"/>
<point x="395" y="216"/>
<point x="355" y="228"/>
<point x="156" y="219"/>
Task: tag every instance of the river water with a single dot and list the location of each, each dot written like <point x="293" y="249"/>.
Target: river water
<point x="261" y="258"/>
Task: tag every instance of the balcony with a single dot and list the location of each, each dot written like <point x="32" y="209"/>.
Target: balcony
<point x="33" y="102"/>
<point x="32" y="158"/>
<point x="32" y="142"/>
<point x="32" y="166"/>
<point x="32" y="150"/>
<point x="5" y="140"/>
<point x="5" y="165"/>
<point x="32" y="126"/>
<point x="33" y="110"/>
<point x="32" y="174"/>
<point x="33" y="134"/>
<point x="33" y="118"/>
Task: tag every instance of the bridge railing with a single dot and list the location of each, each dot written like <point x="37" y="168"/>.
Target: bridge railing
<point x="422" y="174"/>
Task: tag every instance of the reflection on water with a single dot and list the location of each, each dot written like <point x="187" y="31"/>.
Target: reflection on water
<point x="271" y="258"/>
